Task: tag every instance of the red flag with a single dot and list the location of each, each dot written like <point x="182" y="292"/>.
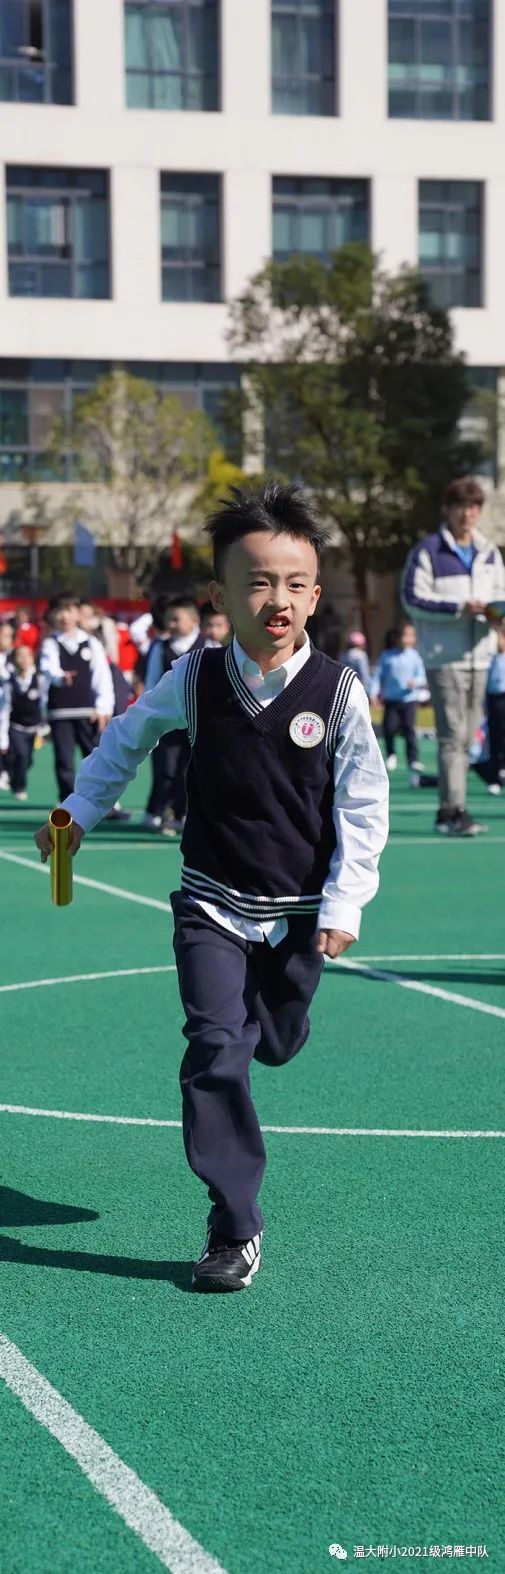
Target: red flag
<point x="176" y="553"/>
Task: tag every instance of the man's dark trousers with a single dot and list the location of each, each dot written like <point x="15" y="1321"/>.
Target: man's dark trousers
<point x="242" y="1000"/>
<point x="69" y="732"/>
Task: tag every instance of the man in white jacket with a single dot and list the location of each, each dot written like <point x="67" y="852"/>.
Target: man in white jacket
<point x="450" y="579"/>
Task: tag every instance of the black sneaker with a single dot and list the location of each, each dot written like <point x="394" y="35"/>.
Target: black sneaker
<point x="463" y="825"/>
<point x="227" y="1265"/>
<point x="443" y="822"/>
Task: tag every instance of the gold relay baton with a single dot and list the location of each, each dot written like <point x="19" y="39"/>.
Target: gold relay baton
<point x="60" y="827"/>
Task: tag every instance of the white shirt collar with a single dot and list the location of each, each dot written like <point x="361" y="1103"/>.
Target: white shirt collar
<point x="279" y="676"/>
<point x="181" y="643"/>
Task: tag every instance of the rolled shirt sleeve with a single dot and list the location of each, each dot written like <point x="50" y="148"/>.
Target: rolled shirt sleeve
<point x="360" y="817"/>
<point x="124" y="745"/>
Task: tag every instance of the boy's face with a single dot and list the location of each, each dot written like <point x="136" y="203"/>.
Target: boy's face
<point x="6" y="637"/>
<point x="88" y="620"/>
<point x="409" y="637"/>
<point x="216" y="626"/>
<point x="66" y="619"/>
<point x="182" y="621"/>
<point x="23" y="659"/>
<point x="501" y="638"/>
<point x="268" y="591"/>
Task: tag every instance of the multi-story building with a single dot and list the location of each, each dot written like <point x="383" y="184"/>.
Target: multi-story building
<point x="156" y="152"/>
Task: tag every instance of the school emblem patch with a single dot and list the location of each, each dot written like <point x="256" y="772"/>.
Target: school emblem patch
<point x="307" y="729"/>
<point x="85" y="654"/>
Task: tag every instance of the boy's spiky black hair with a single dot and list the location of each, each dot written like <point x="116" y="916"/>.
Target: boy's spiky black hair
<point x="281" y="508"/>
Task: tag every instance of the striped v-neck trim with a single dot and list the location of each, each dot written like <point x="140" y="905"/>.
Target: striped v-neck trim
<point x="247" y="700"/>
<point x="266" y="715"/>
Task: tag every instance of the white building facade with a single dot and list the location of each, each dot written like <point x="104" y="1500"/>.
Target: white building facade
<point x="155" y="153"/>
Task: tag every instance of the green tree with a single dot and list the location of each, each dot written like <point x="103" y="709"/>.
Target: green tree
<point x="362" y="390"/>
<point x="138" y="455"/>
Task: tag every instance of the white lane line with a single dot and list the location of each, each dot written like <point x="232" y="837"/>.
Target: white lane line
<point x="444" y="841"/>
<point x="84" y="978"/>
<point x="96" y="885"/>
<point x="283" y="1131"/>
<point x="438" y="956"/>
<point x="170" y="967"/>
<point x="136" y="1505"/>
<point x="421" y="989"/>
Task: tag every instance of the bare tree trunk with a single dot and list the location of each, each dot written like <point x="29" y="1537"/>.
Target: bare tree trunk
<point x="360" y="576"/>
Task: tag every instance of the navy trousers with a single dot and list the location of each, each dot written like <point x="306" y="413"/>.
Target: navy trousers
<point x="242" y="1000"/>
<point x="69" y="733"/>
<point x="19" y="757"/>
<point x="169" y="762"/>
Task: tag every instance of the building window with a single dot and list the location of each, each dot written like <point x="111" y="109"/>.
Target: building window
<point x="439" y="59"/>
<point x="190" y="230"/>
<point x="172" y="54"/>
<point x="450" y="244"/>
<point x="34" y="394"/>
<point x="57" y="225"/>
<point x="304" y="57"/>
<point x="317" y="216"/>
<point x="36" y="51"/>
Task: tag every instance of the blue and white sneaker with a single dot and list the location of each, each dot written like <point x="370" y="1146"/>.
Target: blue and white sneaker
<point x="227" y="1265"/>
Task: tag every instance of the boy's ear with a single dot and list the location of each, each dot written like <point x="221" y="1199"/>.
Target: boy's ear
<point x="216" y="594"/>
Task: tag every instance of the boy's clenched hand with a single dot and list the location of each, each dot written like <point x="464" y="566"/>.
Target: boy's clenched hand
<point x="334" y="941"/>
<point x="43" y="841"/>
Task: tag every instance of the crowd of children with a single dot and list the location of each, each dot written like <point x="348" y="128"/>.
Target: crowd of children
<point x="64" y="677"/>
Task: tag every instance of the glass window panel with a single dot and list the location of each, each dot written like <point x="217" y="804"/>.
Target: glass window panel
<point x="136" y="38"/>
<point x="46" y="225"/>
<point x="55" y="279"/>
<point x="167" y="92"/>
<point x="90" y="229"/>
<point x="15" y="226"/>
<point x="284" y="45"/>
<point x="92" y="281"/>
<point x="46" y="406"/>
<point x="138" y="90"/>
<point x="174" y="284"/>
<point x="22" y="279"/>
<point x="202" y="38"/>
<point x="165" y="41"/>
<point x="313" y="231"/>
<point x="284" y="232"/>
<point x="173" y="227"/>
<point x="13" y="416"/>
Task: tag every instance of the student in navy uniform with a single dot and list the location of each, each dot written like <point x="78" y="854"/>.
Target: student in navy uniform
<point x="25" y="718"/>
<point x="6" y="669"/>
<point x="177" y="623"/>
<point x="286" y="821"/>
<point x="80" y="696"/>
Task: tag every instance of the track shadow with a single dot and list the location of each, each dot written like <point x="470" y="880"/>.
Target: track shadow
<point x="176" y="1273"/>
<point x="18" y="1208"/>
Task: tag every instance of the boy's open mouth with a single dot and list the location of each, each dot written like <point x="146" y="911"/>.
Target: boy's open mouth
<point x="277" y="625"/>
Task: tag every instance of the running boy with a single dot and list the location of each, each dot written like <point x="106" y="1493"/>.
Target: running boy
<point x="287" y="819"/>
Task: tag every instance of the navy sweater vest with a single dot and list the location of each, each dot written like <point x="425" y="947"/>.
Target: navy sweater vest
<point x="259" y="833"/>
<point x="26" y="706"/>
<point x="75" y="698"/>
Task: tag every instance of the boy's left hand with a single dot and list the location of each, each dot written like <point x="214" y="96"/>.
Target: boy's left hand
<point x="333" y="942"/>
